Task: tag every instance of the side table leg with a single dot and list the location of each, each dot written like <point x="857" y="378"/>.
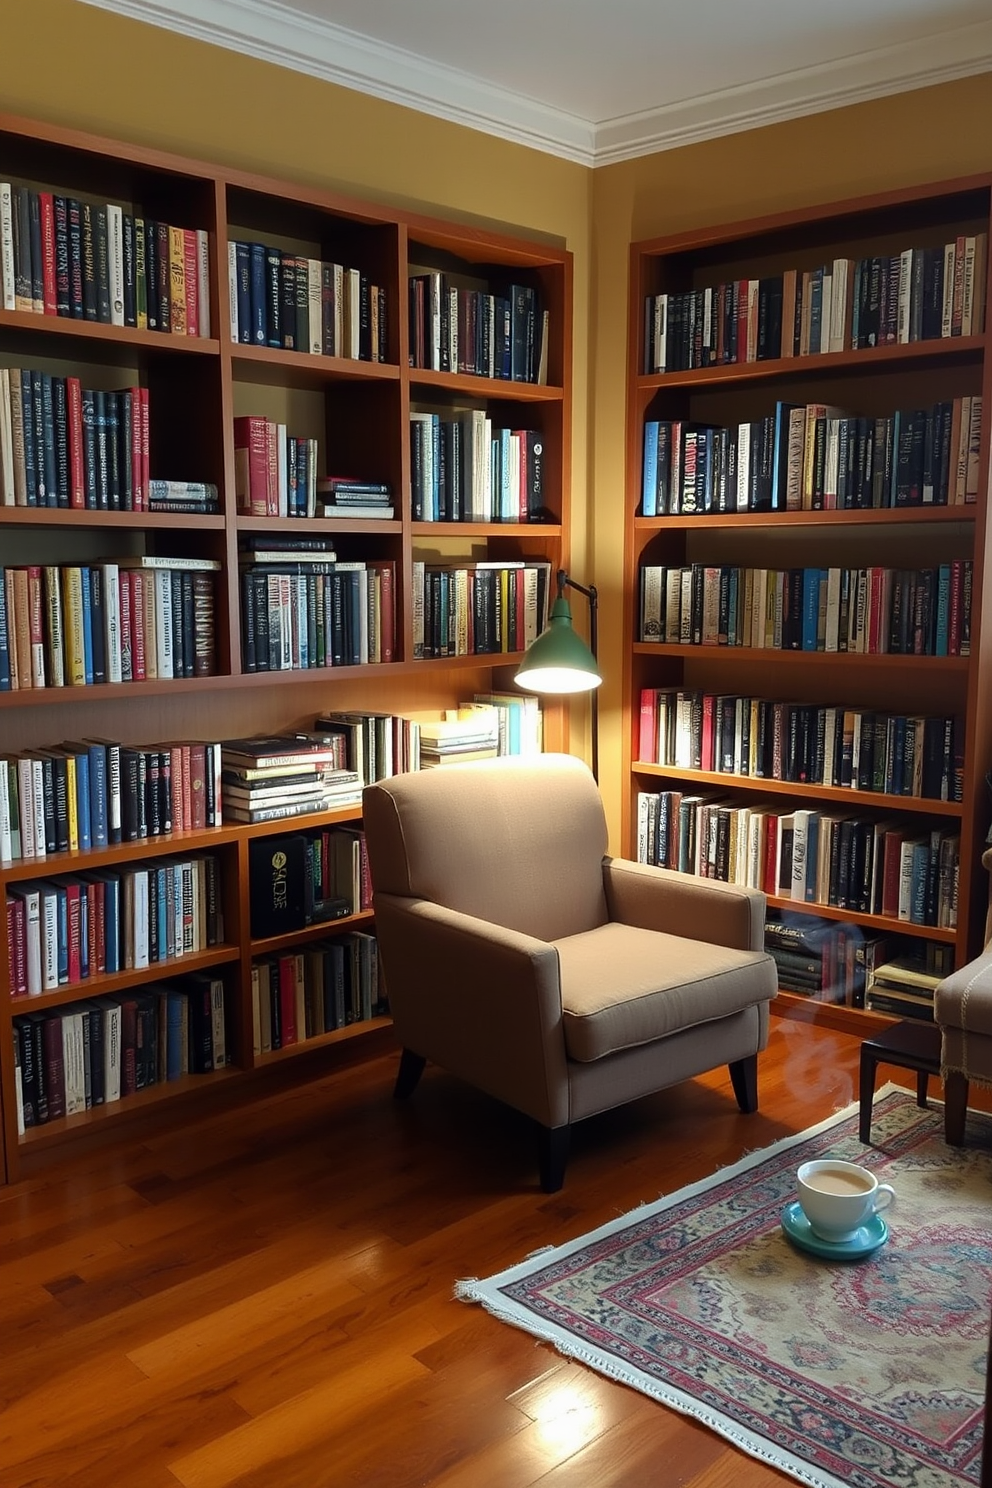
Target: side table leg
<point x="869" y="1065"/>
<point x="922" y="1082"/>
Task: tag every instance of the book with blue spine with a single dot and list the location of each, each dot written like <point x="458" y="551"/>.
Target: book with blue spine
<point x="649" y="480"/>
<point x="811" y="606"/>
<point x="258" y="302"/>
<point x="175" y="1031"/>
<point x="85" y="579"/>
<point x="4" y="636"/>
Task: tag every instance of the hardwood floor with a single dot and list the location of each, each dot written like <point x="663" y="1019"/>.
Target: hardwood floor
<point x="264" y="1299"/>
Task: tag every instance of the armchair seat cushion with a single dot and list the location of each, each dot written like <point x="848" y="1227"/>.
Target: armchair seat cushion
<point x="622" y="986"/>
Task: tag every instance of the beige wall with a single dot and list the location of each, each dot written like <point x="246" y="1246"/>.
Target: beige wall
<point x="928" y="135"/>
<point x="71" y="64"/>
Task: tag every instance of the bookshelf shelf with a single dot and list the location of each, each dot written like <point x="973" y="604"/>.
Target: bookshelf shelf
<point x="861" y="402"/>
<point x="353" y="411"/>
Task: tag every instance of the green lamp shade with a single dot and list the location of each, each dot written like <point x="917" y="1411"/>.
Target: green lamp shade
<point x="559" y="661"/>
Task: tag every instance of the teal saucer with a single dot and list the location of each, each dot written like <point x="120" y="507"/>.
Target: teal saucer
<point x="864" y="1242"/>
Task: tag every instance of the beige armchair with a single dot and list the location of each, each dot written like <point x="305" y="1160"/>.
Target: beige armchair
<point x="521" y="958"/>
<point x="963" y="1013"/>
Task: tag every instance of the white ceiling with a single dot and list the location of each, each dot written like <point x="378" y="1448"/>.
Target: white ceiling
<point x="597" y="81"/>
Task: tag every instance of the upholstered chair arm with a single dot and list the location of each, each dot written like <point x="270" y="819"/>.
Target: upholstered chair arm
<point x="480" y="1000"/>
<point x="963" y="1000"/>
<point x="682" y="904"/>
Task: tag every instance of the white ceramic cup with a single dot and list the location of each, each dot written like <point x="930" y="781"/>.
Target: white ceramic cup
<point x="838" y="1197"/>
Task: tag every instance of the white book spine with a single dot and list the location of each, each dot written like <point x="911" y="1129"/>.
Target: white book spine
<point x="112" y="1052"/>
<point x="905" y="879"/>
<point x="354" y="314"/>
<point x="232" y="290"/>
<point x="6" y="843"/>
<point x="25" y="801"/>
<point x="7" y="246"/>
<point x="282" y="470"/>
<point x="32" y="940"/>
<point x="203" y="280"/>
<point x="112" y="619"/>
<point x="417" y="596"/>
<point x="115" y="263"/>
<point x="800" y="843"/>
<point x="19" y="1096"/>
<point x="140" y="917"/>
<point x="48" y="910"/>
<point x="947" y="308"/>
<point x="162" y="585"/>
<point x="905" y="296"/>
<point x="38" y="802"/>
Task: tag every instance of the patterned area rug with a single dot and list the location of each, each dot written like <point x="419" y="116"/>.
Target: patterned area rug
<point x="867" y="1374"/>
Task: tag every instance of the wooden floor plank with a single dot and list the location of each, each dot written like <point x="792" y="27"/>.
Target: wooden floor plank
<point x="265" y="1300"/>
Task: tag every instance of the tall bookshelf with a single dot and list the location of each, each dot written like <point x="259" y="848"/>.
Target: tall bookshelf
<point x="358" y="411"/>
<point x="732" y="526"/>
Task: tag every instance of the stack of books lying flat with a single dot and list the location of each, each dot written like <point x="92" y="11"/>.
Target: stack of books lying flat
<point x="266" y="779"/>
<point x="458" y="735"/>
<point x="904" y="987"/>
<point x="339" y="496"/>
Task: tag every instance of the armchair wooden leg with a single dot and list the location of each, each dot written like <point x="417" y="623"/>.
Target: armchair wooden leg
<point x="553" y="1154"/>
<point x="744" y="1078"/>
<point x="955" y="1109"/>
<point x="410" y="1070"/>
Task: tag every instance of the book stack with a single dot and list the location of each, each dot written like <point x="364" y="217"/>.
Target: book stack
<point x="302" y="608"/>
<point x="92" y="260"/>
<point x="63" y="445"/>
<point x="814" y="457"/>
<point x="96" y="792"/>
<point x="466" y="609"/>
<point x="130" y="620"/>
<point x="66" y="930"/>
<point x="282" y="299"/>
<point x="469" y="329"/>
<point x="810" y="955"/>
<point x="458" y="735"/>
<point x="918" y="294"/>
<point x="300" y="995"/>
<point x="275" y="473"/>
<point x="465" y="470"/>
<point x="267" y="779"/>
<point x="339" y="496"/>
<point x="804" y="743"/>
<point x="874" y="611"/>
<point x="198" y="498"/>
<point x="904" y="986"/>
<point x="94" y="1053"/>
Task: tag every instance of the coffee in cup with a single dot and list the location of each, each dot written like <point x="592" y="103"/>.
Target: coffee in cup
<point x="838" y="1197"/>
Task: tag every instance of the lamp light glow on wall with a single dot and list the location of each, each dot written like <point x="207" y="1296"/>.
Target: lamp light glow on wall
<point x="559" y="662"/>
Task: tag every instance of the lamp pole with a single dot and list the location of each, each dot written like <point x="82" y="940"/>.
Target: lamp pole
<point x="591" y="593"/>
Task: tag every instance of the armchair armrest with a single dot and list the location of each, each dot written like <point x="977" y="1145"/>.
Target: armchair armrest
<point x="963" y="1000"/>
<point x="480" y="1000"/>
<point x="682" y="904"/>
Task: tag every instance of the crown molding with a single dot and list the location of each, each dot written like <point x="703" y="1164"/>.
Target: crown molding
<point x="274" y="32"/>
<point x="791" y="95"/>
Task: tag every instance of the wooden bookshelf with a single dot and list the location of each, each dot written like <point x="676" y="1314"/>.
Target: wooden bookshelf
<point x="358" y="411"/>
<point x="867" y="381"/>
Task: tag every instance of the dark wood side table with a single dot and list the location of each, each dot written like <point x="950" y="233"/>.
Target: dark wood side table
<point x="908" y="1045"/>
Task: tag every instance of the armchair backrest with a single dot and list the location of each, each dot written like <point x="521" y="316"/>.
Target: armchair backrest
<point x="516" y="841"/>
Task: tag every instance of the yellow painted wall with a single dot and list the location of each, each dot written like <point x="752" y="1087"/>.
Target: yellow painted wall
<point x="928" y="135"/>
<point x="100" y="72"/>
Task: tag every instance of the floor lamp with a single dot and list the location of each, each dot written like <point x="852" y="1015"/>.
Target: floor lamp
<point x="560" y="662"/>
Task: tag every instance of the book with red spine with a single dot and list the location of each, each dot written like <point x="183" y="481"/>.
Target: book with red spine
<point x="46" y="207"/>
<point x="251" y="465"/>
<point x="74" y="421"/>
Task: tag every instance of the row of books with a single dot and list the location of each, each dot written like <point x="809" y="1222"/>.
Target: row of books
<point x="465" y="470"/>
<point x="306" y="610"/>
<point x="96" y="792"/>
<point x="803" y="743"/>
<point x="275" y="473"/>
<point x="69" y="929"/>
<point x="918" y="294"/>
<point x="300" y="995"/>
<point x="95" y="261"/>
<point x="306" y="878"/>
<point x="478" y="608"/>
<point x="456" y="328"/>
<point x="63" y="445"/>
<point x="866" y="865"/>
<point x="104" y="1050"/>
<point x="840" y="963"/>
<point x="126" y="621"/>
<point x="905" y="612"/>
<point x="814" y="457"/>
<point x="282" y="299"/>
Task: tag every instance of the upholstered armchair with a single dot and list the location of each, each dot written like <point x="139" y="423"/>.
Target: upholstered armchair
<point x="521" y="958"/>
<point x="963" y="1013"/>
